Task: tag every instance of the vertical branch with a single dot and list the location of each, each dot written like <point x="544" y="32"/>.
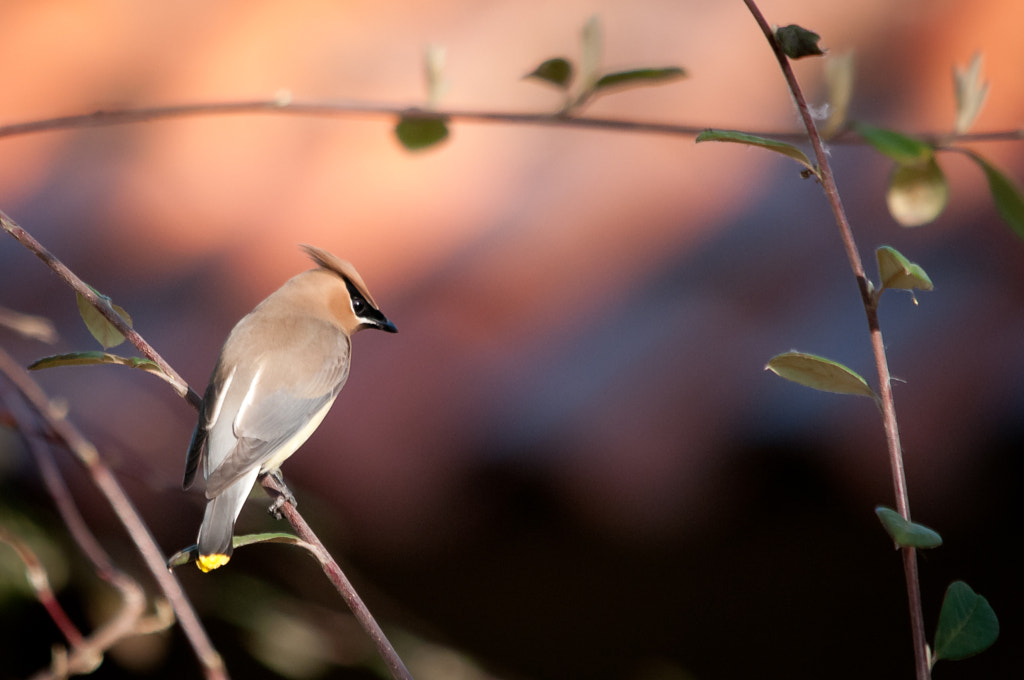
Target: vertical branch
<point x="888" y="406"/>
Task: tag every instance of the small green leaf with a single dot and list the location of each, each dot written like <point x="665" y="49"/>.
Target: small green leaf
<point x="967" y="624"/>
<point x="183" y="557"/>
<point x="93" y="359"/>
<point x="917" y="193"/>
<point x="101" y="329"/>
<point x="269" y="537"/>
<point x="421" y="131"/>
<point x="785" y="148"/>
<point x="640" y="76"/>
<point x="907" y="534"/>
<point x="557" y="72"/>
<point x="819" y="373"/>
<point x="798" y="42"/>
<point x="1005" y="193"/>
<point x="189" y="554"/>
<point x="839" y="78"/>
<point x="971" y="93"/>
<point x="897" y="146"/>
<point x="896" y="271"/>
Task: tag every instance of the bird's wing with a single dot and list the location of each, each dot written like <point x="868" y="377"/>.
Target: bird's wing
<point x="209" y="411"/>
<point x="266" y="421"/>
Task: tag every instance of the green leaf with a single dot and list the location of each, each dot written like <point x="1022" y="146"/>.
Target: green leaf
<point x="93" y="359"/>
<point x="819" y="373"/>
<point x="420" y="131"/>
<point x="907" y="534"/>
<point x="101" y="329"/>
<point x="917" y="193"/>
<point x="897" y="146"/>
<point x="798" y="42"/>
<point x="189" y="554"/>
<point x="896" y="271"/>
<point x="971" y="93"/>
<point x="967" y="624"/>
<point x="785" y="148"/>
<point x="557" y="72"/>
<point x="270" y="537"/>
<point x="839" y="78"/>
<point x="640" y="76"/>
<point x="183" y="557"/>
<point x="1005" y="193"/>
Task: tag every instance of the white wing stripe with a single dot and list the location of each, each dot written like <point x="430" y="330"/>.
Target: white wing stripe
<point x="250" y="397"/>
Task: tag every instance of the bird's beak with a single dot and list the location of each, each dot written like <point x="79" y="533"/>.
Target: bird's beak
<point x="388" y="327"/>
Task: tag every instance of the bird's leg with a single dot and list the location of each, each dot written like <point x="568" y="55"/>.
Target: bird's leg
<point x="284" y="494"/>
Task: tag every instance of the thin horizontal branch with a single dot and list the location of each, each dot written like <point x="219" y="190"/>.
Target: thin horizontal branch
<point x="285" y="106"/>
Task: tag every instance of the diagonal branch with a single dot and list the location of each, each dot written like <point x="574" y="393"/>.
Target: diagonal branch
<point x="103" y="306"/>
<point x="105" y="480"/>
<point x="39" y="581"/>
<point x="338" y="578"/>
<point x="85" y="652"/>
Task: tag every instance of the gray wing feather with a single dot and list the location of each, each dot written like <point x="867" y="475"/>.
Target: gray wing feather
<point x="261" y="422"/>
<point x="209" y="411"/>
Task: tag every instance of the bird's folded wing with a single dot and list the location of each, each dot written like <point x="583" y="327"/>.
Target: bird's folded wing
<point x="284" y="418"/>
<point x="268" y="423"/>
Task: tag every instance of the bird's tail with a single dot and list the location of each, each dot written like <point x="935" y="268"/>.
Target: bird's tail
<point x="218" y="527"/>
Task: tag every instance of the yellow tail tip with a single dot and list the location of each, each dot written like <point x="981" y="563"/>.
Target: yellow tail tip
<point x="207" y="563"/>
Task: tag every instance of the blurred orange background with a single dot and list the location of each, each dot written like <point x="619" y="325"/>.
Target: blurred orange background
<point x="569" y="462"/>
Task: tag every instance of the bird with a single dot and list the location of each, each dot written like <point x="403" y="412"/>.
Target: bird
<point x="278" y="373"/>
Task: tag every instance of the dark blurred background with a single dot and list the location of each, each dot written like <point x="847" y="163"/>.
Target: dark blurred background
<point x="569" y="463"/>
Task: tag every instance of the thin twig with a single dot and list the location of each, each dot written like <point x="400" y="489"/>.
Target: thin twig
<point x="86" y="657"/>
<point x="340" y="581"/>
<point x="55" y="485"/>
<point x="102" y="305"/>
<point x="86" y="453"/>
<point x="888" y="405"/>
<point x="103" y="478"/>
<point x="85" y="652"/>
<point x="35" y="574"/>
<point x="285" y="106"/>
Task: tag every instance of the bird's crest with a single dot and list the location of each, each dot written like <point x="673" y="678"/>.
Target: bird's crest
<point x="342" y="268"/>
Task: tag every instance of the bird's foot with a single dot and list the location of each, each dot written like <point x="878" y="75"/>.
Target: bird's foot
<point x="284" y="495"/>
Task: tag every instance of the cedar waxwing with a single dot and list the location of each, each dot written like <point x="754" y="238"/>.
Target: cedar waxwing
<point x="278" y="373"/>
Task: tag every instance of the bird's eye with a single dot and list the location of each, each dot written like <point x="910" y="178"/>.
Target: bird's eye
<point x="358" y="305"/>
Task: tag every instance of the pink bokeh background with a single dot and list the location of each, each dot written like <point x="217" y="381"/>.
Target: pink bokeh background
<point x="583" y="312"/>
